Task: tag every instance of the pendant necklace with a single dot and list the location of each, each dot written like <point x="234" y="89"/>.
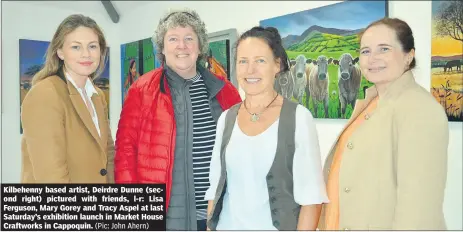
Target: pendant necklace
<point x="256" y="116"/>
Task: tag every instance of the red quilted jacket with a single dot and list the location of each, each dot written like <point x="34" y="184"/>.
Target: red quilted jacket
<point x="145" y="139"/>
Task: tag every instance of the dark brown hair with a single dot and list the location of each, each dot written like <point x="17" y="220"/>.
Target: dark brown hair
<point x="273" y="39"/>
<point x="403" y="32"/>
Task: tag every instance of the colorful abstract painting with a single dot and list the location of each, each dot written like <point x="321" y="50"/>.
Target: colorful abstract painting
<point x="31" y="60"/>
<point x="323" y="47"/>
<point x="447" y="57"/>
<point x="218" y="58"/>
<point x="137" y="58"/>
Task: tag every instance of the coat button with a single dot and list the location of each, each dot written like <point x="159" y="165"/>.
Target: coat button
<point x="347" y="190"/>
<point x="272" y="200"/>
<point x="367" y="116"/>
<point x="269" y="177"/>
<point x="350" y="145"/>
<point x="271" y="188"/>
<point x="276" y="223"/>
<point x="274" y="211"/>
<point x="103" y="172"/>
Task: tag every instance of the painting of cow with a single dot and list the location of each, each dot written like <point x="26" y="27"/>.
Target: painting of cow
<point x="349" y="78"/>
<point x="284" y="84"/>
<point x="300" y="78"/>
<point x="318" y="84"/>
<point x="320" y="36"/>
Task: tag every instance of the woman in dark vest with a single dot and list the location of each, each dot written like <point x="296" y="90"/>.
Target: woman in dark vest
<point x="266" y="169"/>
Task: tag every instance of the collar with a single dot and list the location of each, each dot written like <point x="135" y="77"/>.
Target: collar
<point x="89" y="88"/>
<point x="394" y="89"/>
<point x="196" y="78"/>
<point x="213" y="84"/>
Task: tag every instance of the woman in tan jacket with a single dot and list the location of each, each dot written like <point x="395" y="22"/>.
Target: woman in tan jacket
<point x="65" y="119"/>
<point x="387" y="169"/>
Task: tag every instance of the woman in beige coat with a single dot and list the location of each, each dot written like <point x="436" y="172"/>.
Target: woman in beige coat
<point x="387" y="169"/>
<point x="65" y="119"/>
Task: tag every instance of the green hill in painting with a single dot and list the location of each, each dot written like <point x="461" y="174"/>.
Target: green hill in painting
<point x="317" y="39"/>
<point x="332" y="43"/>
<point x="323" y="42"/>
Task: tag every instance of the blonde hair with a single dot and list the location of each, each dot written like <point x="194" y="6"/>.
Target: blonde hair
<point x="53" y="63"/>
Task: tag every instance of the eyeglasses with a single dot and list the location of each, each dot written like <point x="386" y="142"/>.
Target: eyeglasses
<point x="182" y="12"/>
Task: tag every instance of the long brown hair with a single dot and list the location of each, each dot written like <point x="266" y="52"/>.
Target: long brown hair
<point x="53" y="63"/>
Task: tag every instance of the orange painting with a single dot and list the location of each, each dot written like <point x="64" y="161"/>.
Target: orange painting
<point x="215" y="67"/>
<point x="447" y="57"/>
<point x="218" y="59"/>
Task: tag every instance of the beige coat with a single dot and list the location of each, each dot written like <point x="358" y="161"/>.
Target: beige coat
<point x="393" y="172"/>
<point x="60" y="143"/>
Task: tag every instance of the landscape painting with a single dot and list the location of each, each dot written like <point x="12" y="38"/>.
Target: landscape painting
<point x="447" y="57"/>
<point x="31" y="59"/>
<point x="323" y="47"/>
<point x="137" y="58"/>
<point x="218" y="58"/>
<point x="102" y="82"/>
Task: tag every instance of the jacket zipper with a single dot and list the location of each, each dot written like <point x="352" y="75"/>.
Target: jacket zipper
<point x="172" y="159"/>
<point x="188" y="124"/>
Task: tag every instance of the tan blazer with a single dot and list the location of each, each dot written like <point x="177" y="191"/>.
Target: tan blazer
<point x="393" y="172"/>
<point x="60" y="143"/>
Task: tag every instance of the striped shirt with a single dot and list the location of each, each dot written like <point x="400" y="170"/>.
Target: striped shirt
<point x="203" y="142"/>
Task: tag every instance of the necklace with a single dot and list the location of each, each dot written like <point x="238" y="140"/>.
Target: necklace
<point x="256" y="116"/>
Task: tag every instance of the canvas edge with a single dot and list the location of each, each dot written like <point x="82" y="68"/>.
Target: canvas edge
<point x="232" y="35"/>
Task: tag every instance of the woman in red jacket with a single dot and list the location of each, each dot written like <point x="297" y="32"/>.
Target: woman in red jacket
<point x="167" y="127"/>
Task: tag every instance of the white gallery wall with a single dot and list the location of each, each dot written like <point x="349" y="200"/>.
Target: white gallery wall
<point x="39" y="23"/>
<point x="1" y="88"/>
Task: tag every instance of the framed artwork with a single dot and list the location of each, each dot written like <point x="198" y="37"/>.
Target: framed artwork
<point x="220" y="59"/>
<point x="447" y="57"/>
<point x="31" y="60"/>
<point x="321" y="44"/>
<point x="137" y="58"/>
<point x="102" y="82"/>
